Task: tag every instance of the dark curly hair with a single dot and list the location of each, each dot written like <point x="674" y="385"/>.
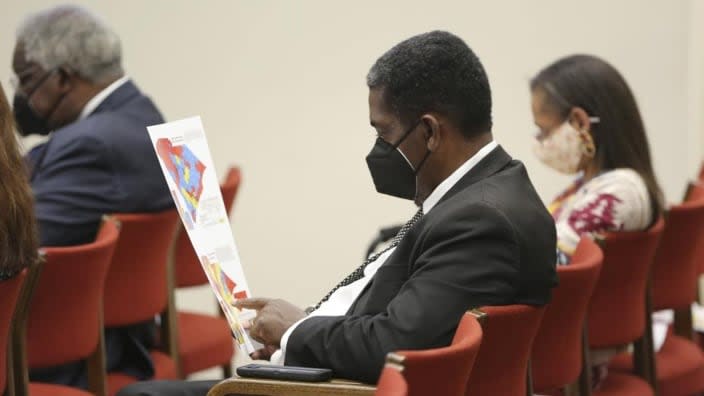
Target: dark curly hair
<point x="437" y="72"/>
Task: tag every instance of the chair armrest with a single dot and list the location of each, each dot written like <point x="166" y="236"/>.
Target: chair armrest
<point x="480" y="315"/>
<point x="270" y="387"/>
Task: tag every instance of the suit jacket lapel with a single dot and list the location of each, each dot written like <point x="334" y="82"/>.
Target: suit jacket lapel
<point x="35" y="157"/>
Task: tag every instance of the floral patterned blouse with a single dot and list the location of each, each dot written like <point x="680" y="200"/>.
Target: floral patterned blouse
<point x="616" y="200"/>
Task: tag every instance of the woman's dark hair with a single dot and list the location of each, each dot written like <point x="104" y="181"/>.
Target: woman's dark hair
<point x="597" y="87"/>
<point x="18" y="229"/>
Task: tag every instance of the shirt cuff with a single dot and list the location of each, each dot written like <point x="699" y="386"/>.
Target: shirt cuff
<point x="279" y="356"/>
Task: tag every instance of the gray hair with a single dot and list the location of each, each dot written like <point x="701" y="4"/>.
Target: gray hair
<point x="72" y="37"/>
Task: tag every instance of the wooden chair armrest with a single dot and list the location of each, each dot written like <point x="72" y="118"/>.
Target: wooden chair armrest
<point x="480" y="315"/>
<point x="269" y="387"/>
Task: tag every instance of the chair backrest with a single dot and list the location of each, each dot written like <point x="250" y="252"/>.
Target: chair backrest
<point x="616" y="314"/>
<point x="502" y="363"/>
<point x="556" y="359"/>
<point x="9" y="295"/>
<point x="392" y="382"/>
<point x="442" y="371"/>
<point x="676" y="265"/>
<point x="188" y="269"/>
<point x="64" y="323"/>
<point x="136" y="288"/>
<point x="694" y="193"/>
<point x="230" y="186"/>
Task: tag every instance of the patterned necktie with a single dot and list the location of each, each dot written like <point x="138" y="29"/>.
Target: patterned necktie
<point x="358" y="273"/>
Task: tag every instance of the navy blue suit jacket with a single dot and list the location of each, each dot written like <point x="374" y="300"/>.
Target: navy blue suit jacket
<point x="100" y="165"/>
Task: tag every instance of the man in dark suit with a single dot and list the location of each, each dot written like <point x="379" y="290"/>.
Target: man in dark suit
<point x="481" y="235"/>
<point x="98" y="159"/>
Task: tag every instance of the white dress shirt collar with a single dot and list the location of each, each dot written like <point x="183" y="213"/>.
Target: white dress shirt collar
<point x="451" y="180"/>
<point x="100" y="97"/>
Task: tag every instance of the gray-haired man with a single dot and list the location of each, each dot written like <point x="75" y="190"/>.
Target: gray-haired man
<point x="98" y="160"/>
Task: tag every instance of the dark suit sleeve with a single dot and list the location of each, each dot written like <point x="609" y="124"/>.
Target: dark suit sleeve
<point x="464" y="261"/>
<point x="71" y="191"/>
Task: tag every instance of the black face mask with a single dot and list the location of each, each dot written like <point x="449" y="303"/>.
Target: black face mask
<point x="28" y="122"/>
<point x="392" y="173"/>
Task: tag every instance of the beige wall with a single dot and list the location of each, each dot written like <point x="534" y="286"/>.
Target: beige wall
<point x="280" y="87"/>
<point x="696" y="82"/>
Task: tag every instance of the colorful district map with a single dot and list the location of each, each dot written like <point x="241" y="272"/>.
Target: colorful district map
<point x="226" y="286"/>
<point x="186" y="170"/>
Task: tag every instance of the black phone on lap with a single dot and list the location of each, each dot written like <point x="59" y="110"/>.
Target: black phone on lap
<point x="294" y="373"/>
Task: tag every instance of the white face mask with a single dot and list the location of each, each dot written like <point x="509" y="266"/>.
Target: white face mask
<point x="562" y="150"/>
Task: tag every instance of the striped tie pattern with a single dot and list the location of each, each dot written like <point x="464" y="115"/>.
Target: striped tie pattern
<point x="359" y="272"/>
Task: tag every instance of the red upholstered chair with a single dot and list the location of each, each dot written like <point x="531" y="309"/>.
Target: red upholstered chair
<point x="680" y="361"/>
<point x="618" y="313"/>
<point x="137" y="287"/>
<point x="695" y="192"/>
<point x="557" y="357"/>
<point x="502" y="364"/>
<point x="64" y="319"/>
<point x="204" y="341"/>
<point x="391" y="382"/>
<point x="442" y="371"/>
<point x="438" y="371"/>
<point x="10" y="296"/>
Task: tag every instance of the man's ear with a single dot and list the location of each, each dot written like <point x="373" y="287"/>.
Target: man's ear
<point x="580" y="119"/>
<point x="432" y="131"/>
<point x="67" y="79"/>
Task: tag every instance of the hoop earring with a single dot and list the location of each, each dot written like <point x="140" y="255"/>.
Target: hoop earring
<point x="588" y="147"/>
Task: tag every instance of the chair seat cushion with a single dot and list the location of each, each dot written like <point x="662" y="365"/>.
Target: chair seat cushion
<point x="679" y="363"/>
<point x="204" y="342"/>
<point x="40" y="389"/>
<point x="617" y="384"/>
<point x="164" y="368"/>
